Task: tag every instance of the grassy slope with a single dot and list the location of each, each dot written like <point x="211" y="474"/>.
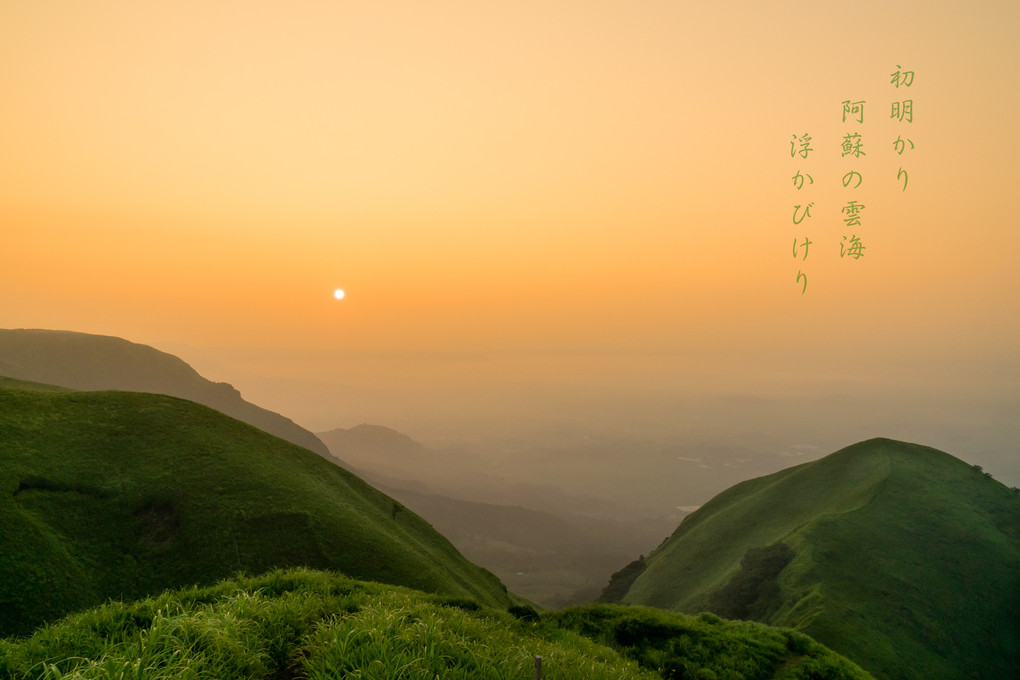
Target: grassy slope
<point x="300" y="623"/>
<point x="83" y="361"/>
<point x="706" y="646"/>
<point x="116" y="494"/>
<point x="907" y="559"/>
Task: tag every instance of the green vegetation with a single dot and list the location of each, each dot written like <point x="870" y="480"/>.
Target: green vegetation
<point x="621" y="581"/>
<point x="901" y="557"/>
<point x="82" y="361"/>
<point x="300" y="623"/>
<point x="753" y="592"/>
<point x="122" y="495"/>
<point x="706" y="647"/>
<point x="904" y="558"/>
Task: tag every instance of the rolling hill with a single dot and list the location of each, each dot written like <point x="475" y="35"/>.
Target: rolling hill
<point x="97" y="362"/>
<point x="121" y="494"/>
<point x="901" y="557"/>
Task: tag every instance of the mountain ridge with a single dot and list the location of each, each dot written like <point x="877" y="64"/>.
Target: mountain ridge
<point x="87" y="362"/>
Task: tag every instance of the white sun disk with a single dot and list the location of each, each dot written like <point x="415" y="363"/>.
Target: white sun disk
<point x="338" y="294"/>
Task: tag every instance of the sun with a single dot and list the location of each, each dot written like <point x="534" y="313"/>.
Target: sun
<point x="338" y="294"/>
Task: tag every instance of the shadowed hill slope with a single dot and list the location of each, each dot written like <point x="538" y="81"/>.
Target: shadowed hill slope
<point x="120" y="494"/>
<point x="97" y="362"/>
<point x="902" y="557"/>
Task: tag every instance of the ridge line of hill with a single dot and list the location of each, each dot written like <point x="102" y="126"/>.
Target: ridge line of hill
<point x="88" y="362"/>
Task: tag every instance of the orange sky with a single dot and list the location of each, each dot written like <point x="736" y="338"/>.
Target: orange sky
<point x="542" y="179"/>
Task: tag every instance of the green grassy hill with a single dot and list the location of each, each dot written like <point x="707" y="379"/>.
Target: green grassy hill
<point x="97" y="362"/>
<point x="317" y="625"/>
<point x="119" y="494"/>
<point x="901" y="557"/>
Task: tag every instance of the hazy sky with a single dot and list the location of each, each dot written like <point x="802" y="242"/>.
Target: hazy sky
<point x="589" y="195"/>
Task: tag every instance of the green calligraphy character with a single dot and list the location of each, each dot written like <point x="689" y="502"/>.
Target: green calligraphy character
<point x="903" y="109"/>
<point x="852" y="210"/>
<point x="854" y="109"/>
<point x="854" y="248"/>
<point x="852" y="144"/>
<point x="805" y="146"/>
<point x="807" y="213"/>
<point x="905" y="78"/>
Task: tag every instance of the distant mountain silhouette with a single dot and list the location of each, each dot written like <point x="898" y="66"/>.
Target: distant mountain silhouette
<point x="901" y="557"/>
<point x="525" y="535"/>
<point x="121" y="494"/>
<point x="97" y="362"/>
<point x="376" y="447"/>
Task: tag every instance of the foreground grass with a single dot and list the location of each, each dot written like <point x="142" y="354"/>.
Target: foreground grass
<point x="301" y="623"/>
